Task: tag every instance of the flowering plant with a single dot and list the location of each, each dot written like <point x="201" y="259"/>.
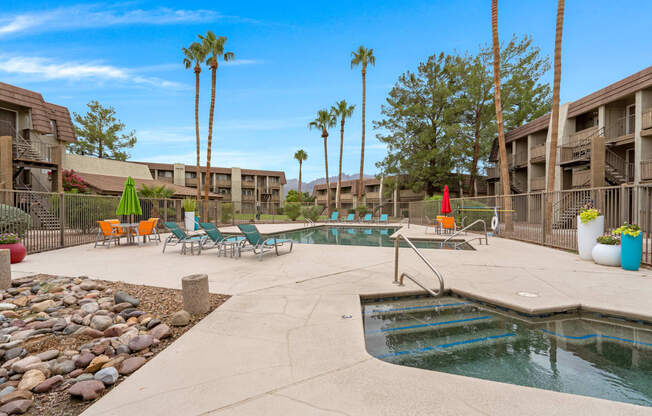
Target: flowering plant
<point x="588" y="215"/>
<point x="631" y="230"/>
<point x="8" y="238"/>
<point x="609" y="240"/>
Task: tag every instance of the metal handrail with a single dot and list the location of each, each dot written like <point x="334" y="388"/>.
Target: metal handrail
<point x="399" y="282"/>
<point x="486" y="238"/>
<point x="308" y="221"/>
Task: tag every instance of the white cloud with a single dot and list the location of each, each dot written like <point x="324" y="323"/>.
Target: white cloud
<point x="100" y="15"/>
<point x="46" y="69"/>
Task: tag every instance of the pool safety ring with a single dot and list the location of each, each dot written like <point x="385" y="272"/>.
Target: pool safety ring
<point x="494" y="222"/>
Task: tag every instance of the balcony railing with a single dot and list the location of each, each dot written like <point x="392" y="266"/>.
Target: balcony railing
<point x="191" y="182"/>
<point x="520" y="159"/>
<point x="249" y="184"/>
<point x="538" y="183"/>
<point x="581" y="178"/>
<point x="622" y="128"/>
<point x="580" y="137"/>
<point x="647" y="119"/>
<point x="32" y="150"/>
<point x="493" y="172"/>
<point x="538" y="153"/>
<point x="646" y="170"/>
<point x="222" y="182"/>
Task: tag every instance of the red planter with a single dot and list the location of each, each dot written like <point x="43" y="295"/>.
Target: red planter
<point x="17" y="251"/>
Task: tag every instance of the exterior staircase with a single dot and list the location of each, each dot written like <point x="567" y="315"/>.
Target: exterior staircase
<point x="566" y="210"/>
<point x="39" y="206"/>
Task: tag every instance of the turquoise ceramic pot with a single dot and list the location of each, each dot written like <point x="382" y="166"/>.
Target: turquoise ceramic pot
<point x="630" y="253"/>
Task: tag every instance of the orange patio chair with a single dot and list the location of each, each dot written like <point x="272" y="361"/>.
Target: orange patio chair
<point x="106" y="234"/>
<point x="155" y="235"/>
<point x="145" y="229"/>
<point x="448" y="224"/>
<point x="114" y="221"/>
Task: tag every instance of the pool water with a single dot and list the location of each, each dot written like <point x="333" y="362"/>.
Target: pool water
<point x="361" y="236"/>
<point x="579" y="355"/>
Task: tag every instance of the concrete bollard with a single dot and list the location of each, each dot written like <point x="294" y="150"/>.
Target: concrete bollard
<point x="195" y="293"/>
<point x="5" y="269"/>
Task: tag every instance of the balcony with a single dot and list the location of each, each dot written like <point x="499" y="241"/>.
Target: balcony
<point x="35" y="152"/>
<point x="646" y="123"/>
<point x="191" y="182"/>
<point x="581" y="178"/>
<point x="538" y="153"/>
<point x="248" y="198"/>
<point x="372" y="195"/>
<point x="493" y="172"/>
<point x="249" y="184"/>
<point x="519" y="160"/>
<point x="222" y="182"/>
<point x="646" y="170"/>
<point x="579" y="147"/>
<point x="538" y="184"/>
<point x="408" y="194"/>
<point x="620" y="132"/>
<point x="166" y="179"/>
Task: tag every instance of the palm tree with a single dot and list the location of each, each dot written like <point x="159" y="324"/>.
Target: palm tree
<point x="195" y="53"/>
<point x="213" y="45"/>
<point x="342" y="110"/>
<point x="300" y="155"/>
<point x="554" y="116"/>
<point x="324" y="121"/>
<point x="504" y="172"/>
<point x="363" y="57"/>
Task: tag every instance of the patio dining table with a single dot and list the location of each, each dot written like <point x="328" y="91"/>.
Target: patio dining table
<point x="127" y="227"/>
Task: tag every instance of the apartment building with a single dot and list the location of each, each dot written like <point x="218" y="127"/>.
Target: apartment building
<point x="605" y="138"/>
<point x="247" y="189"/>
<point x="33" y="135"/>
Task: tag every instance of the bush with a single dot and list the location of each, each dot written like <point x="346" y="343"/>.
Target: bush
<point x="292" y="210"/>
<point x="362" y="210"/>
<point x="14" y="220"/>
<point x="8" y="238"/>
<point x="189" y="205"/>
<point x="312" y="212"/>
<point x="609" y="240"/>
<point x="226" y="213"/>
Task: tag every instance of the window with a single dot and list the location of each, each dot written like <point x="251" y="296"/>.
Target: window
<point x="191" y="175"/>
<point x="224" y="191"/>
<point x="165" y="174"/>
<point x="53" y="128"/>
<point x="248" y="192"/>
<point x="248" y="178"/>
<point x="273" y="180"/>
<point x="222" y="177"/>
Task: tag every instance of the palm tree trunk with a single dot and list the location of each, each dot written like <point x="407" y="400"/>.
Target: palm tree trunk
<point x="364" y="104"/>
<point x="210" y="140"/>
<point x="339" y="178"/>
<point x="554" y="118"/>
<point x="299" y="196"/>
<point x="197" y="71"/>
<point x="504" y="173"/>
<point x="328" y="182"/>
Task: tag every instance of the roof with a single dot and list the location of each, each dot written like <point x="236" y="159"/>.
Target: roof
<point x="115" y="185"/>
<point x="217" y="169"/>
<point x="610" y="93"/>
<point x="42" y="111"/>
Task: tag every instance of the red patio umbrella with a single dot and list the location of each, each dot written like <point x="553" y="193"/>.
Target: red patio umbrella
<point x="445" y="202"/>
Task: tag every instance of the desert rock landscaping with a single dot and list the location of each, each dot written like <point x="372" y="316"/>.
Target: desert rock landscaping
<point x="65" y="341"/>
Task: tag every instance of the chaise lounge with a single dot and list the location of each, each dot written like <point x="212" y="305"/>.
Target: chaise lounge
<point x="258" y="244"/>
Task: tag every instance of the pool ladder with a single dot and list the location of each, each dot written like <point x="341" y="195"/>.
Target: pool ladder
<point x="399" y="280"/>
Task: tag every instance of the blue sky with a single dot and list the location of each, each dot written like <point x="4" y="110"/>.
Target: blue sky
<point x="292" y="58"/>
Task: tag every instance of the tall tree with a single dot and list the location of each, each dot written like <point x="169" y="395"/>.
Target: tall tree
<point x="214" y="47"/>
<point x="195" y="53"/>
<point x="524" y="96"/>
<point x="341" y="110"/>
<point x="504" y="172"/>
<point x="554" y="117"/>
<point x="325" y="120"/>
<point x="99" y="134"/>
<point x="420" y="124"/>
<point x="363" y="57"/>
<point x="300" y="155"/>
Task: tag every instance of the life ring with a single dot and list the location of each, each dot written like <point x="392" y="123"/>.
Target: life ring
<point x="494" y="223"/>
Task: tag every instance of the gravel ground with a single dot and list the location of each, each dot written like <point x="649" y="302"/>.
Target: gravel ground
<point x="160" y="302"/>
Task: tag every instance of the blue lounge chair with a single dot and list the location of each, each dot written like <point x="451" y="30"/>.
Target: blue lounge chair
<point x="258" y="244"/>
<point x="367" y="218"/>
<point x="383" y="218"/>
<point x="179" y="236"/>
<point x="350" y="218"/>
<point x="334" y="217"/>
<point x="216" y="239"/>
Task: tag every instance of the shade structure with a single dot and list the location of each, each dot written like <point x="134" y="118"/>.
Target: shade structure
<point x="129" y="203"/>
<point x="446" y="202"/>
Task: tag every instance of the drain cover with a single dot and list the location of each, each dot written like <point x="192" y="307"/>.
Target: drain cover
<point x="528" y="294"/>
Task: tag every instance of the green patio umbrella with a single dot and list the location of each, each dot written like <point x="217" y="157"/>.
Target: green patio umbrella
<point x="129" y="204"/>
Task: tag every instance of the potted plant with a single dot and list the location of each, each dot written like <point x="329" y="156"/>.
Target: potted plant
<point x="590" y="225"/>
<point x="189" y="207"/>
<point x="631" y="239"/>
<point x="607" y="251"/>
<point x="11" y="242"/>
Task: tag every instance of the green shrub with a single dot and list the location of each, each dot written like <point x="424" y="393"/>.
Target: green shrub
<point x="312" y="212"/>
<point x="14" y="220"/>
<point x="189" y="205"/>
<point x="589" y="215"/>
<point x="8" y="238"/>
<point x="292" y="210"/>
<point x="362" y="210"/>
<point x="609" y="240"/>
<point x="631" y="230"/>
<point x="226" y="213"/>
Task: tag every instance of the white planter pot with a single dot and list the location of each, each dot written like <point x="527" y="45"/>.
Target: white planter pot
<point x="190" y="221"/>
<point x="606" y="255"/>
<point x="587" y="235"/>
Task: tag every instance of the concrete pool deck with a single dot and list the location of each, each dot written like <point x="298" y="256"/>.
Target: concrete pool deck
<point x="285" y="344"/>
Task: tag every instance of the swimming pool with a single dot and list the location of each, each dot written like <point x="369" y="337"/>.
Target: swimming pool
<point x="361" y="236"/>
<point x="583" y="355"/>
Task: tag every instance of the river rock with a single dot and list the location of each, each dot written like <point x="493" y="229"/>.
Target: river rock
<point x="31" y="379"/>
<point x="4" y="306"/>
<point x="160" y="331"/>
<point x="48" y="384"/>
<point x="91" y="285"/>
<point x="84" y="359"/>
<point x="96" y="363"/>
<point x="87" y="390"/>
<point x="17" y="407"/>
<point x="101" y="322"/>
<point x="181" y="318"/>
<point x="64" y="367"/>
<point x="140" y="342"/>
<point x="131" y="364"/>
<point x="124" y="297"/>
<point x="107" y="375"/>
<point x="21" y="365"/>
<point x="48" y="355"/>
<point x="7" y="390"/>
<point x="90" y="307"/>
<point x="42" y="306"/>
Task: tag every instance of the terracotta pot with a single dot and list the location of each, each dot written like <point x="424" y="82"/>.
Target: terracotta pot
<point x="17" y="251"/>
